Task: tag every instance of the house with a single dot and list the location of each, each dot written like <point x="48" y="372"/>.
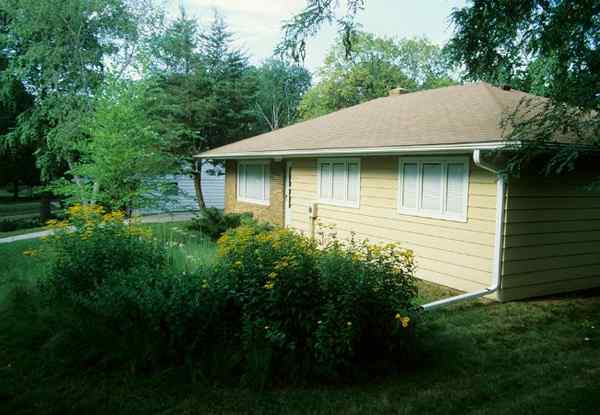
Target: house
<point x="421" y="169"/>
<point x="184" y="193"/>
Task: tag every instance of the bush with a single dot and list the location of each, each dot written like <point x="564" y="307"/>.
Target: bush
<point x="129" y="306"/>
<point x="276" y="305"/>
<point x="273" y="279"/>
<point x="367" y="314"/>
<point x="91" y="245"/>
<point x="319" y="310"/>
<point x="158" y="317"/>
<point x="213" y="223"/>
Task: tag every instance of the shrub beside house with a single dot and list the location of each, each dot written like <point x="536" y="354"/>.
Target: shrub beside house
<point x="423" y="169"/>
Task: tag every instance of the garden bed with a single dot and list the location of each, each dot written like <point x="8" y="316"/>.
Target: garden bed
<point x="539" y="356"/>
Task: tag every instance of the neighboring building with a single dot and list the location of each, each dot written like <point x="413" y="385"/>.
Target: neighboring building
<point x="420" y="169"/>
<point x="213" y="190"/>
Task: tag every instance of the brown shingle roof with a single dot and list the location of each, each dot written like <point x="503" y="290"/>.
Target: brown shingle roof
<point x="462" y="114"/>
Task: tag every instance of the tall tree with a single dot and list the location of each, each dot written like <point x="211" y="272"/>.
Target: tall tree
<point x="58" y="49"/>
<point x="233" y="86"/>
<point x="424" y="62"/>
<point x="182" y="91"/>
<point x="375" y="66"/>
<point x="205" y="89"/>
<point x="546" y="47"/>
<point x="306" y="24"/>
<point x="17" y="166"/>
<point x="17" y="162"/>
<point x="281" y="86"/>
<point x="125" y="159"/>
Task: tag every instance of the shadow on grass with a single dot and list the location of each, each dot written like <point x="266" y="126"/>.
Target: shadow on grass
<point x="539" y="356"/>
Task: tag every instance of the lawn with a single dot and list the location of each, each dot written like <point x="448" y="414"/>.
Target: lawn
<point x="538" y="357"/>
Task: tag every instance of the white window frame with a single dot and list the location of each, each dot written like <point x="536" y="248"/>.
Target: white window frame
<point x="266" y="174"/>
<point x="442" y="213"/>
<point x="331" y="201"/>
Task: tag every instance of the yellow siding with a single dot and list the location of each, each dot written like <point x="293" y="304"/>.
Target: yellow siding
<point x="456" y="254"/>
<point x="273" y="212"/>
<point x="552" y="237"/>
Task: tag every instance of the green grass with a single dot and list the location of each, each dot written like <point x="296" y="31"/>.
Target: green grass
<point x="188" y="250"/>
<point x="534" y="357"/>
<point x="15" y="268"/>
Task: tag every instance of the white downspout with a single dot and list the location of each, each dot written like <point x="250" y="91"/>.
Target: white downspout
<point x="498" y="243"/>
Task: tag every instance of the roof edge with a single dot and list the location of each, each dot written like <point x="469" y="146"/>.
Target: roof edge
<point x="383" y="151"/>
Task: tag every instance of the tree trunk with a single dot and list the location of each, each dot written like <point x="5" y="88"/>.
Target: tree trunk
<point x="45" y="209"/>
<point x="79" y="182"/>
<point x="197" y="173"/>
<point x="95" y="191"/>
<point x="16" y="190"/>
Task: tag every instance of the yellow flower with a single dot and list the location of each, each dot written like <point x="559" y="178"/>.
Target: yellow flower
<point x="272" y="275"/>
<point x="403" y="320"/>
<point x="74" y="209"/>
<point x="269" y="285"/>
<point x="116" y="216"/>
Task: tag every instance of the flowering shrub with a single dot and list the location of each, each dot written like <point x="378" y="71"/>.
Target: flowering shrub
<point x="274" y="305"/>
<point x="320" y="309"/>
<point x="213" y="223"/>
<point x="122" y="297"/>
<point x="273" y="277"/>
<point x="367" y="312"/>
<point x="91" y="244"/>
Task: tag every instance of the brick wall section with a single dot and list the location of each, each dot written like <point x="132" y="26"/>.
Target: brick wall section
<point x="272" y="213"/>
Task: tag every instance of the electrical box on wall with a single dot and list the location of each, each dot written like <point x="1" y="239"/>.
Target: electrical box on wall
<point x="313" y="210"/>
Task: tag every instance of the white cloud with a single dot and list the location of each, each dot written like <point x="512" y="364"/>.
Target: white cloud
<point x="255" y="23"/>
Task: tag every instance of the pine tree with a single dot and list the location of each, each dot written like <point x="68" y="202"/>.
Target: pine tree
<point x="205" y="89"/>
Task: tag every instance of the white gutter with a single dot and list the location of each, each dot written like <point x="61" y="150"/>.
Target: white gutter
<point x="364" y="151"/>
<point x="498" y="243"/>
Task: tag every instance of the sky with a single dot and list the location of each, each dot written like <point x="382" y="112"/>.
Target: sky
<point x="257" y="23"/>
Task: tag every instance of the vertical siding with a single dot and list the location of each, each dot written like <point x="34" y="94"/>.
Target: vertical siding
<point x="272" y="213"/>
<point x="552" y="236"/>
<point x="455" y="254"/>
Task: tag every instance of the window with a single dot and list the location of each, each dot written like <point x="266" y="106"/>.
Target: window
<point x="339" y="181"/>
<point x="434" y="187"/>
<point x="253" y="179"/>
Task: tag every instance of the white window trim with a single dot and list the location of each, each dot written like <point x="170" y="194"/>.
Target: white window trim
<point x="418" y="211"/>
<point x="332" y="202"/>
<point x="266" y="182"/>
